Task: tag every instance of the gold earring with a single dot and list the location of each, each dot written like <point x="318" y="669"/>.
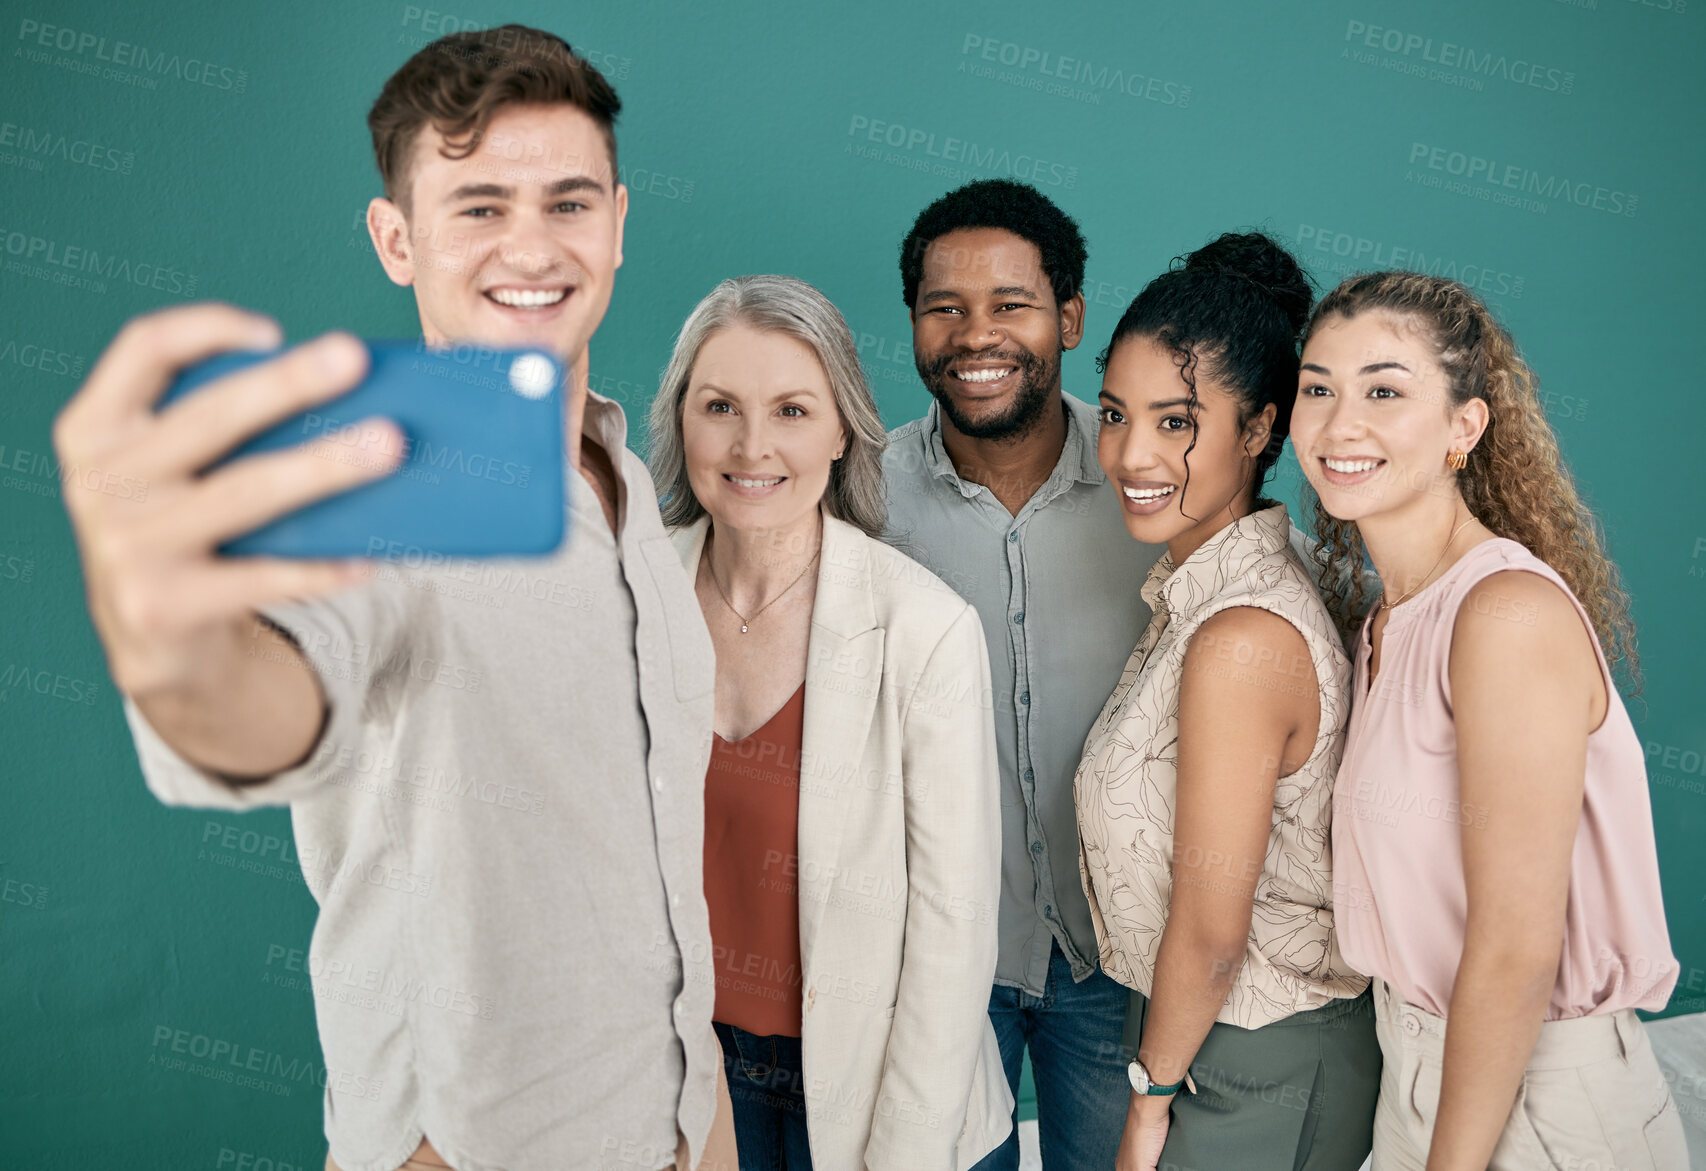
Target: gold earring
<point x="1456" y="460"/>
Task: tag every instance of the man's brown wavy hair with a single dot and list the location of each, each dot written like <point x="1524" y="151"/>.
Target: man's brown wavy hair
<point x="457" y="83"/>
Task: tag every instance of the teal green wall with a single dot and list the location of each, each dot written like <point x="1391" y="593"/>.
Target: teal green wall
<point x="239" y="168"/>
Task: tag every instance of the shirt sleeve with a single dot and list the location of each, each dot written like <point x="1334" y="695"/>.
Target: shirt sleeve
<point x="344" y="638"/>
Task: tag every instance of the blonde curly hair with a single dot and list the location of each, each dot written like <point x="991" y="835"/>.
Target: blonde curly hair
<point x="1515" y="482"/>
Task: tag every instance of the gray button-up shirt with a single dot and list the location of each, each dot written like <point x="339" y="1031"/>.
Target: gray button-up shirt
<point x="1057" y="590"/>
<point x="503" y="825"/>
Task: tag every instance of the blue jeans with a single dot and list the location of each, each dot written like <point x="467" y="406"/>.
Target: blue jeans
<point x="767" y="1091"/>
<point x="1073" y="1031"/>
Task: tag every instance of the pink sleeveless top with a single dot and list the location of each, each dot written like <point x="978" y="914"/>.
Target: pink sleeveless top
<point x="1398" y="886"/>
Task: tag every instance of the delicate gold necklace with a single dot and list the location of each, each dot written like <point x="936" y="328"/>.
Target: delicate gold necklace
<point x="1385" y="605"/>
<point x="711" y="569"/>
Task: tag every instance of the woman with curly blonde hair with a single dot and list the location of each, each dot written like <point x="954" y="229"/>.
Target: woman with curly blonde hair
<point x="1494" y="864"/>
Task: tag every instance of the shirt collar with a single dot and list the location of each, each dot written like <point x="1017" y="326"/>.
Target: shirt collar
<point x="604" y="419"/>
<point x="1077" y="461"/>
<point x="1224" y="558"/>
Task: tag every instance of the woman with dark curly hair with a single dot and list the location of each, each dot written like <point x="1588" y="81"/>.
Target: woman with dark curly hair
<point x="1494" y="863"/>
<point x="1205" y="787"/>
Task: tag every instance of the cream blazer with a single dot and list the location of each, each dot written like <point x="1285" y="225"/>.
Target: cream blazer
<point x="899" y="865"/>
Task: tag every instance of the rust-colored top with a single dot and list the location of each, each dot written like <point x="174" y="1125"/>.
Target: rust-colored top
<point x="752" y="867"/>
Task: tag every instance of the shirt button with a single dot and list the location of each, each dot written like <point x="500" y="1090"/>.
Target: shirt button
<point x="1029" y="775"/>
<point x="1019" y="618"/>
<point x="1036" y="847"/>
<point x="1048" y="910"/>
<point x="675" y="900"/>
<point x="1411" y="1025"/>
<point x="1025" y="697"/>
<point x="657" y="783"/>
<point x="1012" y="536"/>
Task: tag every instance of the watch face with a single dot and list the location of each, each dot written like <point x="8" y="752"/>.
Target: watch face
<point x="1139" y="1077"/>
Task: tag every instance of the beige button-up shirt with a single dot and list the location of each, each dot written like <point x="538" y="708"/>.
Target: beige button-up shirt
<point x="503" y="825"/>
<point x="1125" y="784"/>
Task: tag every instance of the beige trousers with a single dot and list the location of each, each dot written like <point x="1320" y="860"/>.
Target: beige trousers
<point x="719" y="1147"/>
<point x="1592" y="1098"/>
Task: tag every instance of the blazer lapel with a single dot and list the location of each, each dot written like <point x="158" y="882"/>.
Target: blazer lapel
<point x="689" y="541"/>
<point x="844" y="672"/>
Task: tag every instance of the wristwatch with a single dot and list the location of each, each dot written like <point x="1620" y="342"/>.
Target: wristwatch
<point x="1141" y="1084"/>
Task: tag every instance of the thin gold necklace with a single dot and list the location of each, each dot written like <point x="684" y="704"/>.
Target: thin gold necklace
<point x="712" y="570"/>
<point x="1385" y="605"/>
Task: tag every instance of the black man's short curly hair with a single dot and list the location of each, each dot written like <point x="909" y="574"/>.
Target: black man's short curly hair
<point x="999" y="203"/>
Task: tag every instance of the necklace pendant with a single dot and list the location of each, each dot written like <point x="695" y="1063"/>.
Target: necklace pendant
<point x="743" y="628"/>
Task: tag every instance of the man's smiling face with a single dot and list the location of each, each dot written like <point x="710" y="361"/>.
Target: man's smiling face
<point x="516" y="244"/>
<point x="987" y="333"/>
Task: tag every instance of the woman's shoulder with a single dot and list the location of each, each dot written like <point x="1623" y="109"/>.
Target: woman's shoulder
<point x="1269" y="627"/>
<point x="1520" y="647"/>
<point x="1513" y="602"/>
<point x="1248" y="634"/>
<point x="1282" y="585"/>
<point x="1499" y="555"/>
<point x="1502" y="580"/>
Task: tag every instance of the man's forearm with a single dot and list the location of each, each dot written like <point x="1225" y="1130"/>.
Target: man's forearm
<point x="253" y="709"/>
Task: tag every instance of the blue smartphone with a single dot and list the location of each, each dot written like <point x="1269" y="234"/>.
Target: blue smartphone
<point x="483" y="475"/>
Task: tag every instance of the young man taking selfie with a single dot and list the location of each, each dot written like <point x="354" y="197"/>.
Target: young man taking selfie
<point x="512" y="958"/>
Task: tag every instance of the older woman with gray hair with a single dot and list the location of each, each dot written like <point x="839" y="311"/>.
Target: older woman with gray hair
<point x="852" y="820"/>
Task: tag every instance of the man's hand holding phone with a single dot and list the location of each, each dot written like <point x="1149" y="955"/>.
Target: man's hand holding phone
<point x="178" y="622"/>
